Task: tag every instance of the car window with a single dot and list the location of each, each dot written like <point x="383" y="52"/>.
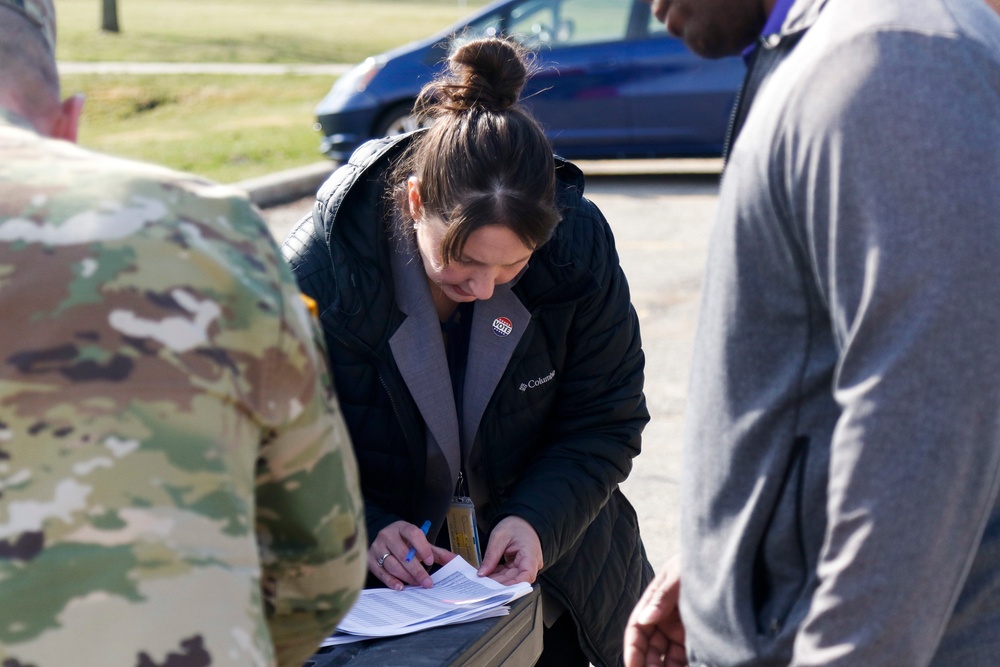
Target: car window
<point x="589" y="21"/>
<point x="546" y="23"/>
<point x="490" y="25"/>
<point x="533" y="22"/>
<point x="656" y="27"/>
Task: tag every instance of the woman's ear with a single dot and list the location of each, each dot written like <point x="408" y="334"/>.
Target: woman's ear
<point x="413" y="198"/>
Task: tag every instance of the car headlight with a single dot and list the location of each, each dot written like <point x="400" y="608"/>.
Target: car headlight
<point x="348" y="91"/>
<point x="357" y="80"/>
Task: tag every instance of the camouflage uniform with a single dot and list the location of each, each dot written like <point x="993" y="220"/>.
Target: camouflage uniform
<point x="160" y="418"/>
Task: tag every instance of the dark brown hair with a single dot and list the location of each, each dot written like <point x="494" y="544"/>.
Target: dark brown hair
<point x="484" y="160"/>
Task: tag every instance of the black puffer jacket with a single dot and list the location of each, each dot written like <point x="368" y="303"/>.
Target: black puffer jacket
<point x="554" y="455"/>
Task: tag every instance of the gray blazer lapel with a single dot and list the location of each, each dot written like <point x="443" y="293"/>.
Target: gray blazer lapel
<point x="418" y="348"/>
<point x="489" y="353"/>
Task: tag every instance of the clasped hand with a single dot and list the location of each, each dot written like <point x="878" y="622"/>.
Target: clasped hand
<point x="655" y="632"/>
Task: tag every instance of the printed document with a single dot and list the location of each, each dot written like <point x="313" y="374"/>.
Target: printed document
<point x="459" y="595"/>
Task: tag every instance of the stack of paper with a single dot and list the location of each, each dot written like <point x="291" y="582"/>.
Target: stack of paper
<point x="459" y="595"/>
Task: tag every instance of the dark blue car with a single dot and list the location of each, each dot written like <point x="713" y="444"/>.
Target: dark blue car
<point x="611" y="82"/>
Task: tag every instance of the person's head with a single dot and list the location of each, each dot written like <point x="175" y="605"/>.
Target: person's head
<point x="714" y="28"/>
<point x="478" y="186"/>
<point x="29" y="81"/>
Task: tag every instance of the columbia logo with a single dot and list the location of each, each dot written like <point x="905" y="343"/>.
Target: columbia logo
<point x="531" y="384"/>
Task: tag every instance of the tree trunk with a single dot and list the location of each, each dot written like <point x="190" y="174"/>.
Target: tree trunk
<point x="109" y="16"/>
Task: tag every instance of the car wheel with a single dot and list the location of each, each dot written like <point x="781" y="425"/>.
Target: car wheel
<point x="398" y="120"/>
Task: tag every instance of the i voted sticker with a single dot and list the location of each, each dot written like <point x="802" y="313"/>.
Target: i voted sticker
<point x="502" y="326"/>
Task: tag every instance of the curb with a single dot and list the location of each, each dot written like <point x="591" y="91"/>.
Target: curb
<point x="286" y="186"/>
<point x="651" y="167"/>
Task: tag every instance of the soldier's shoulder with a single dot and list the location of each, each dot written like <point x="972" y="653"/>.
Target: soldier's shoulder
<point x="57" y="182"/>
<point x="179" y="188"/>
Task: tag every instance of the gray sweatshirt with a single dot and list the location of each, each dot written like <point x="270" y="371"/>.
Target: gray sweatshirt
<point x="842" y="453"/>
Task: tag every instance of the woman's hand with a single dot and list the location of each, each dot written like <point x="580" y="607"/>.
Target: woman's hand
<point x="655" y="634"/>
<point x="517" y="543"/>
<point x="387" y="556"/>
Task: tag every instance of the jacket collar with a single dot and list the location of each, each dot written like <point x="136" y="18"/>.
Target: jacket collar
<point x="418" y="349"/>
<point x="801" y="16"/>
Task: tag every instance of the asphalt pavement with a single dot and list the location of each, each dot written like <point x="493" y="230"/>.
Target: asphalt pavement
<point x="660" y="212"/>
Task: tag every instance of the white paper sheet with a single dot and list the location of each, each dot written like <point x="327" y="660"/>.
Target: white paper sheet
<point x="459" y="595"/>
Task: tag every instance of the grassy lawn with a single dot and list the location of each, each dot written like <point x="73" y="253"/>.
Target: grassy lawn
<point x="282" y="31"/>
<point x="227" y="127"/>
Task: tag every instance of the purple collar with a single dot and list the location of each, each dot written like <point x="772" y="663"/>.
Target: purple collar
<point x="773" y="24"/>
<point x="777" y="17"/>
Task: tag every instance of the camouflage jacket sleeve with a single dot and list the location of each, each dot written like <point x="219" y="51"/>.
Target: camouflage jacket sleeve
<point x="310" y="513"/>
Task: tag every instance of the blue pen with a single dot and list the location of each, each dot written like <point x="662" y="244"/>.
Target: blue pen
<point x="413" y="550"/>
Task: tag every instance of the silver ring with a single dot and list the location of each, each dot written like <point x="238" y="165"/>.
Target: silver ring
<point x="382" y="559"/>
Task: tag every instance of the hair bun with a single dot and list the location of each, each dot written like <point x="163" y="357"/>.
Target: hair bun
<point x="483" y="160"/>
<point x="487" y="73"/>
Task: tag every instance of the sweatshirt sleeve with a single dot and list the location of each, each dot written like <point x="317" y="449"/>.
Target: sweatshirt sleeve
<point x="897" y="182"/>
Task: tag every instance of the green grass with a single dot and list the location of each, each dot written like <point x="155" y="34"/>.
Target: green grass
<point x="227" y="127"/>
<point x="278" y="31"/>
